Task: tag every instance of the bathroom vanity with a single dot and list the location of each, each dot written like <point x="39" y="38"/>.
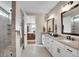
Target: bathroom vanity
<point x="60" y="46"/>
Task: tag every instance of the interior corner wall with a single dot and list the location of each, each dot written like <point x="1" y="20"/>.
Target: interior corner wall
<point x="18" y="28"/>
<point x="56" y="12"/>
<point x="40" y="22"/>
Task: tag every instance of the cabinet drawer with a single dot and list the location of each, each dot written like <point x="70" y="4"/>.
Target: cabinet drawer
<point x="71" y="51"/>
<point x="61" y="45"/>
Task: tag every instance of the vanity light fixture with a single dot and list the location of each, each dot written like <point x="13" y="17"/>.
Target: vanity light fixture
<point x="71" y="2"/>
<point x="69" y="5"/>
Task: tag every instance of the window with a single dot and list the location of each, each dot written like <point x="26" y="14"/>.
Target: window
<point x="4" y="12"/>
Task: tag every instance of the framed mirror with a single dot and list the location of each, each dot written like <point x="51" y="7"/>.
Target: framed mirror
<point x="70" y="21"/>
<point x="50" y="25"/>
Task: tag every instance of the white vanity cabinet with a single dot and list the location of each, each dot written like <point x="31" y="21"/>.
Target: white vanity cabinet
<point x="47" y="42"/>
<point x="70" y="52"/>
<point x="58" y="49"/>
<point x="49" y="47"/>
<point x="55" y="48"/>
<point x="43" y="38"/>
<point x="78" y="54"/>
<point x="62" y="50"/>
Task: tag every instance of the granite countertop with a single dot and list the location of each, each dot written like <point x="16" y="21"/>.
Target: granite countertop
<point x="74" y="44"/>
<point x="70" y="43"/>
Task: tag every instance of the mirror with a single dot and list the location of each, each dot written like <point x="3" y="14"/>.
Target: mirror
<point x="50" y="25"/>
<point x="70" y="21"/>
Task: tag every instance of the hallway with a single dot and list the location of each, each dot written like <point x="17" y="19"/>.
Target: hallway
<point x="35" y="51"/>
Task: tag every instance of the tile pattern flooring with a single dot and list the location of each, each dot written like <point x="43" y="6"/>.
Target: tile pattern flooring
<point x="35" y="51"/>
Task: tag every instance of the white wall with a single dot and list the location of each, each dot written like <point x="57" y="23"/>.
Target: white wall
<point x="30" y="19"/>
<point x="56" y="12"/>
<point x="40" y="22"/>
<point x="18" y="28"/>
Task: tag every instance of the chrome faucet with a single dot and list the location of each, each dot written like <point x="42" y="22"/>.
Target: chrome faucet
<point x="68" y="37"/>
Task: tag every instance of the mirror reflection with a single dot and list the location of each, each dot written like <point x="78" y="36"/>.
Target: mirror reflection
<point x="50" y="25"/>
<point x="71" y="21"/>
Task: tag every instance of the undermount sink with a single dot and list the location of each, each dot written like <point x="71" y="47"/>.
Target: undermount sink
<point x="72" y="43"/>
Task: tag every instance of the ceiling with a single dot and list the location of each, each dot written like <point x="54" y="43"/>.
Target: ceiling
<point x="37" y="6"/>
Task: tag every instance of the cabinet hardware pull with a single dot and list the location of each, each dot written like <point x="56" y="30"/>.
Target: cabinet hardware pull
<point x="69" y="50"/>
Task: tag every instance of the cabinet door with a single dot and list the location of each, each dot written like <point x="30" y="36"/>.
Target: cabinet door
<point x="47" y="43"/>
<point x="57" y="49"/>
<point x="43" y="38"/>
<point x="49" y="46"/>
<point x="70" y="52"/>
<point x="54" y="49"/>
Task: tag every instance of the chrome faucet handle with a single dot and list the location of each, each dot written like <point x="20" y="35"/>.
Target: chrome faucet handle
<point x="68" y="37"/>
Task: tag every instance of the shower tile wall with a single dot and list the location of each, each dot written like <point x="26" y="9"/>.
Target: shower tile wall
<point x="5" y="35"/>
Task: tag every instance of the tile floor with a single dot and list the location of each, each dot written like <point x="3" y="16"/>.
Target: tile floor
<point x="30" y="41"/>
<point x="35" y="51"/>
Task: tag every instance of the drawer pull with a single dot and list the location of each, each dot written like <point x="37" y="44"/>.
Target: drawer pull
<point x="69" y="50"/>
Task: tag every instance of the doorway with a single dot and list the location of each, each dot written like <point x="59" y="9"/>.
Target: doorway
<point x="31" y="28"/>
